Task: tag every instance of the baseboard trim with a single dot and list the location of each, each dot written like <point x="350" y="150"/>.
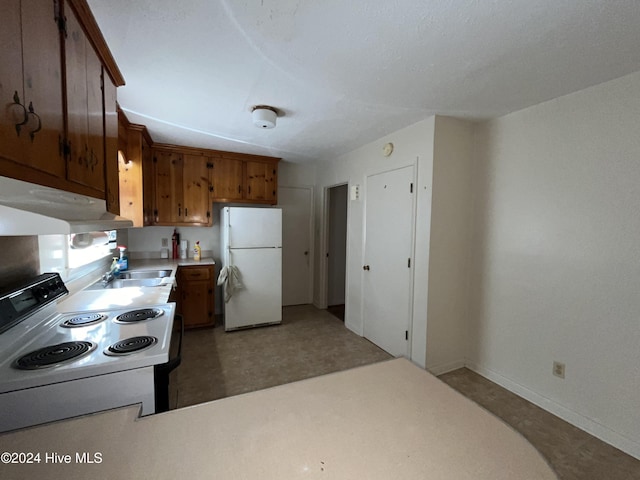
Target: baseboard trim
<point x="445" y="367"/>
<point x="590" y="426"/>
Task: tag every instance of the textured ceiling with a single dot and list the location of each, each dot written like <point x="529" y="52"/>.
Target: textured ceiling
<point x="347" y="73"/>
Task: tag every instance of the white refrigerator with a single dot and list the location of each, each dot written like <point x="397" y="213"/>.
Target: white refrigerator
<point x="252" y="243"/>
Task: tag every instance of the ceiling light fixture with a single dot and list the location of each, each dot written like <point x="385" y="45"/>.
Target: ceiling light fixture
<point x="264" y="116"/>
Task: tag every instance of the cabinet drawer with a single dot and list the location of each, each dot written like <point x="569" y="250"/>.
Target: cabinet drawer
<point x="195" y="273"/>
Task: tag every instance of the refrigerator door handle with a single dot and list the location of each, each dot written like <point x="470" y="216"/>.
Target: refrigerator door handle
<point x="228" y="234"/>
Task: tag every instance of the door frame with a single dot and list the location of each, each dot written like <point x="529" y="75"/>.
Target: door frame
<point x="323" y="294"/>
<point x="311" y="235"/>
<point x="412" y="249"/>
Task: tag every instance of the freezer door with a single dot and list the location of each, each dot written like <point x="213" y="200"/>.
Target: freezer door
<point x="259" y="302"/>
<point x="253" y="227"/>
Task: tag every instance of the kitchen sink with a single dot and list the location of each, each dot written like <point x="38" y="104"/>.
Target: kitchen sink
<point x="138" y="274"/>
<point x="134" y="282"/>
<point x="127" y="282"/>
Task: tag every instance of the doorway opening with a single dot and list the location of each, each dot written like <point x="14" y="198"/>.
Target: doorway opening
<point x="336" y="249"/>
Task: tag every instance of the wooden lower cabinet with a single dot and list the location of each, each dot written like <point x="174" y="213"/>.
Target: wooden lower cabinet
<point x="195" y="295"/>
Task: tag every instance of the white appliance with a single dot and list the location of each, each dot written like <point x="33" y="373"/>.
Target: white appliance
<point x="252" y="243"/>
<point x="55" y="366"/>
<point x="30" y="209"/>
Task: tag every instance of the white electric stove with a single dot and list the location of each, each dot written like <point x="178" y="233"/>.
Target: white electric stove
<point x="55" y="366"/>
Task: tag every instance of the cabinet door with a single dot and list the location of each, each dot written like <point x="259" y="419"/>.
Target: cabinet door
<point x="227" y="179"/>
<point x="112" y="193"/>
<point x="30" y="69"/>
<point x="196" y="190"/>
<point x="196" y="295"/>
<point x="196" y="304"/>
<point x="261" y="182"/>
<point x="168" y="187"/>
<point x="148" y="184"/>
<point x="131" y="178"/>
<point x="11" y="82"/>
<point x="95" y="121"/>
<point x="85" y="163"/>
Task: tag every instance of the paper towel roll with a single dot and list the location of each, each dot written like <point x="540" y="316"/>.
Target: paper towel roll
<point x="183" y="249"/>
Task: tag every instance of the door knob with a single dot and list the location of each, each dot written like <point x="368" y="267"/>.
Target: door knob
<point x="366" y="267"/>
<point x="306" y="253"/>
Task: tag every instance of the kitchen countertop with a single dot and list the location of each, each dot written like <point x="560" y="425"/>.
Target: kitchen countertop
<point x="390" y="420"/>
<point x="108" y="298"/>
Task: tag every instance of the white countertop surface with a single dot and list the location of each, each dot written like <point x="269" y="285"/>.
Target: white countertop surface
<point x="390" y="420"/>
<point x="103" y="299"/>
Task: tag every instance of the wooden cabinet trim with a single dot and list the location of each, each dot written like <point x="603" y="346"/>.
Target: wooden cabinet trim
<point x="215" y="153"/>
<point x="96" y="39"/>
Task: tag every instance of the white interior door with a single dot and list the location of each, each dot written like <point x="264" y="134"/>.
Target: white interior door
<point x="387" y="279"/>
<point x="295" y="203"/>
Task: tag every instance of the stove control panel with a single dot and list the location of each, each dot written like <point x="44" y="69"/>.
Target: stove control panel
<point x="26" y="298"/>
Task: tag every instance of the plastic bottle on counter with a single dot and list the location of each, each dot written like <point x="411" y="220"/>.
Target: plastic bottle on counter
<point x="123" y="261"/>
<point x="197" y="252"/>
<point x="174" y="244"/>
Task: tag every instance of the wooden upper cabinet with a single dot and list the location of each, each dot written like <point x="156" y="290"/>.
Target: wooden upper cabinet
<point x="195" y="177"/>
<point x="180" y="183"/>
<point x="148" y="183"/>
<point x="241" y="179"/>
<point x="85" y="162"/>
<point x="135" y="172"/>
<point x="227" y="179"/>
<point x="168" y="187"/>
<point x="131" y="176"/>
<point x="112" y="193"/>
<point x="181" y="188"/>
<point x="31" y="120"/>
<point x="56" y="112"/>
<point x="262" y="181"/>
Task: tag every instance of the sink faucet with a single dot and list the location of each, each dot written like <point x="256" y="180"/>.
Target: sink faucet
<point x="110" y="275"/>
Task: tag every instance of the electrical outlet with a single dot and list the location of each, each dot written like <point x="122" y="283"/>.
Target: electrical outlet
<point x="558" y="369"/>
<point x="165" y="242"/>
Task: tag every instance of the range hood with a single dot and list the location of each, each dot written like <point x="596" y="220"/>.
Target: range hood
<point x="30" y="209"/>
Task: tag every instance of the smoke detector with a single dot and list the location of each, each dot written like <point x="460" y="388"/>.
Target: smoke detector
<point x="264" y="116"/>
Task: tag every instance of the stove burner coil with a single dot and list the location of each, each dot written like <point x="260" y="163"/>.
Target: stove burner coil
<point x="130" y="345"/>
<point x="53" y="355"/>
<point x="139" y="315"/>
<point x="84" y="320"/>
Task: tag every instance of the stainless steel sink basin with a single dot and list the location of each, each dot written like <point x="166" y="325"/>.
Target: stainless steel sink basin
<point x="137" y="274"/>
<point x="134" y="282"/>
<point x="127" y="282"/>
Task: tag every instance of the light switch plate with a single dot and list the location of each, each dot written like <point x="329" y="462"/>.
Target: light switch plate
<point x="355" y="192"/>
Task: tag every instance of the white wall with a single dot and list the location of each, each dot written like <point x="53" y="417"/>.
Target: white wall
<point x="413" y="144"/>
<point x="449" y="245"/>
<point x="556" y="257"/>
<point x="296" y="175"/>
